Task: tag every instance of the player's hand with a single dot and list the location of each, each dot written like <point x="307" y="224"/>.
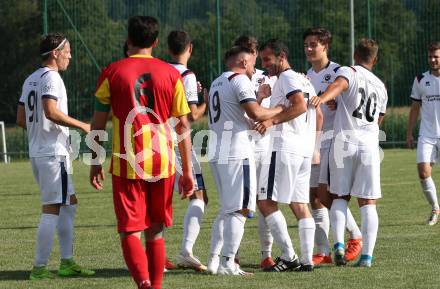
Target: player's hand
<point x="205" y="95"/>
<point x="86" y="127"/>
<point x="410" y="141"/>
<point x="97" y="177"/>
<point x="186" y="186"/>
<point x="316" y="157"/>
<point x="262" y="127"/>
<point x="332" y="105"/>
<point x="315" y="101"/>
<point x="264" y="90"/>
<point x="199" y="87"/>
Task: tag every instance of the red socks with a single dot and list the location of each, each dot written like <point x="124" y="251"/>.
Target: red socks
<point x="135" y="258"/>
<point x="156" y="261"/>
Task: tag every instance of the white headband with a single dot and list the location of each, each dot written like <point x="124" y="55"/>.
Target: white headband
<point x="57" y="48"/>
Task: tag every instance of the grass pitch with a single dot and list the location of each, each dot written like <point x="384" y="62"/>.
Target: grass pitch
<point x="406" y="254"/>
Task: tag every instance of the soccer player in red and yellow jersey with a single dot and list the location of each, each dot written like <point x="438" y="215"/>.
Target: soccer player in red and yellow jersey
<point x="143" y="92"/>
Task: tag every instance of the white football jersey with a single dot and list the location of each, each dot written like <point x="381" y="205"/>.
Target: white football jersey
<point x="45" y="137"/>
<point x="189" y="83"/>
<point x="262" y="142"/>
<point x="297" y="135"/>
<point x="320" y="81"/>
<point x="228" y="124"/>
<point x="426" y="88"/>
<point x="360" y="106"/>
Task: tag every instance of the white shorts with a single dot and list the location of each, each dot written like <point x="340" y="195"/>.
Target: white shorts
<point x="53" y="178"/>
<point x="260" y="157"/>
<point x="324" y="172"/>
<point x="285" y="178"/>
<point x="199" y="183"/>
<point x="314" y="175"/>
<point x="355" y="170"/>
<point x="236" y="184"/>
<point x="427" y="149"/>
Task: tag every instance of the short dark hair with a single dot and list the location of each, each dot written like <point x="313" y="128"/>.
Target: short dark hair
<point x="50" y="42"/>
<point x="143" y="31"/>
<point x="247" y="41"/>
<point x="178" y="41"/>
<point x="235" y="51"/>
<point x="434" y="46"/>
<point x="366" y="49"/>
<point x="324" y="36"/>
<point x="276" y="45"/>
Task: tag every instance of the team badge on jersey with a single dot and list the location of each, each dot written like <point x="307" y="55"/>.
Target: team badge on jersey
<point x="427" y="83"/>
<point x="327" y="77"/>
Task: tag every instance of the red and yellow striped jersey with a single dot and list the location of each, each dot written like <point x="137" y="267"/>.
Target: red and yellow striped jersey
<point x="143" y="93"/>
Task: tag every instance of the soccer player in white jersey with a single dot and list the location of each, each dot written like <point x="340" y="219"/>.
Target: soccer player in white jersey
<point x="180" y="48"/>
<point x="317" y="43"/>
<point x="285" y="175"/>
<point x="42" y="111"/>
<point x="232" y="102"/>
<point x="426" y="94"/>
<point x="354" y="154"/>
<point x="261" y="81"/>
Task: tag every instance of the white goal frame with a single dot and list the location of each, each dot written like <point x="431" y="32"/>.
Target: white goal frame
<point x="5" y="154"/>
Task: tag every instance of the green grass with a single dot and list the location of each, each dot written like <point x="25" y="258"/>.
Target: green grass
<point x="406" y="254"/>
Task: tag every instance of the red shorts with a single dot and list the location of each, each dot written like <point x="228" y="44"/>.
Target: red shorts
<point x="139" y="203"/>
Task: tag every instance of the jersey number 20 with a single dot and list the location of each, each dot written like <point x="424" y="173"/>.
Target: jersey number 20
<point x="371" y="101"/>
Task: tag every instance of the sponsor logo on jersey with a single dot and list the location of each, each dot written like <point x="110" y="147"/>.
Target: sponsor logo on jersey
<point x="327" y="77"/>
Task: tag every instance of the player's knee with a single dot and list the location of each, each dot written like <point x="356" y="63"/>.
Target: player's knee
<point x="154" y="232"/>
<point x="267" y="207"/>
<point x="199" y="194"/>
<point x="301" y="210"/>
<point x="365" y="202"/>
<point x="73" y="200"/>
<point x="52" y="209"/>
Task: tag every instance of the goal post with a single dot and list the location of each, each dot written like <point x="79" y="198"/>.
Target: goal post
<point x="5" y="154"/>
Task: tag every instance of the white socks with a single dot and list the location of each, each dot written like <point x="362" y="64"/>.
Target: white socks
<point x="338" y="219"/>
<point x="45" y="234"/>
<point x="217" y="235"/>
<point x="352" y="227"/>
<point x="65" y="230"/>
<point x="266" y="239"/>
<point x="370" y="226"/>
<point x="191" y="225"/>
<point x="278" y="227"/>
<point x="232" y="235"/>
<point x="322" y="222"/>
<point x="430" y="192"/>
<point x="306" y="228"/>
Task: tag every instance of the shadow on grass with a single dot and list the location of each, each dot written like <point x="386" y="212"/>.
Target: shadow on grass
<point x="18" y="275"/>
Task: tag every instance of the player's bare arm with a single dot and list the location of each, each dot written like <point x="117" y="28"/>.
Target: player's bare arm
<point x="97" y="175"/>
<point x="57" y="116"/>
<point x="21" y="116"/>
<point x="259" y="113"/>
<point x="333" y="90"/>
<point x="186" y="182"/>
<point x="197" y="111"/>
<point x="412" y="119"/>
<point x="298" y="107"/>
